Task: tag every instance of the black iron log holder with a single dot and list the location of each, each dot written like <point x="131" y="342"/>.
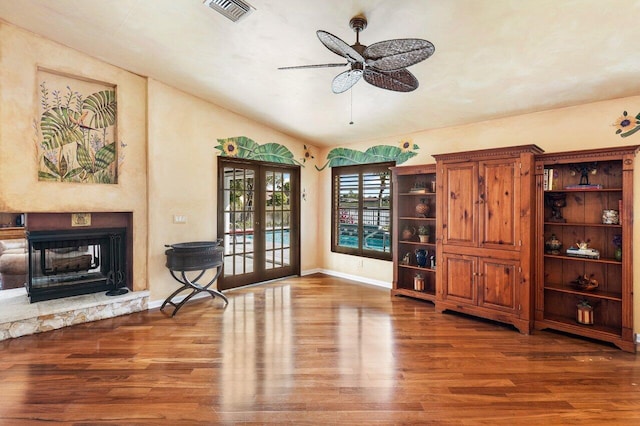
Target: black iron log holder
<point x="197" y="257"/>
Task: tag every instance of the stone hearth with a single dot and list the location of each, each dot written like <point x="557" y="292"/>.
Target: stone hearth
<point x="18" y="317"/>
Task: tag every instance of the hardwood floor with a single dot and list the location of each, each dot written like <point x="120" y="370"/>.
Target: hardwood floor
<point x="313" y="350"/>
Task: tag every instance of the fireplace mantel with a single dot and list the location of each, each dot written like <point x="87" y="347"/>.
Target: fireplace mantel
<point x="62" y="221"/>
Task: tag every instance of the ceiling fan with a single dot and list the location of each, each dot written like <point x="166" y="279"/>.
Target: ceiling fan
<point x="382" y="64"/>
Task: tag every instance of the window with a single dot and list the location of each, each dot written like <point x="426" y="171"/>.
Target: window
<point x="361" y="210"/>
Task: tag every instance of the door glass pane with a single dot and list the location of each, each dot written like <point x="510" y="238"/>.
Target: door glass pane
<point x="238" y="199"/>
<point x="277" y="218"/>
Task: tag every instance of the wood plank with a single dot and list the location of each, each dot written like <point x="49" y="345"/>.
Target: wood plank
<point x="313" y="350"/>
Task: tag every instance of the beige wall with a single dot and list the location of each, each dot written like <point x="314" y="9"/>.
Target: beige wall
<point x="183" y="176"/>
<point x="21" y="53"/>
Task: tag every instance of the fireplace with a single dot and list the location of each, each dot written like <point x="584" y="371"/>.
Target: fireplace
<point x="66" y="263"/>
<point x="68" y="257"/>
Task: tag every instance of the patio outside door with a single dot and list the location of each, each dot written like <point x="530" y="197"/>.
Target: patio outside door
<point x="258" y="217"/>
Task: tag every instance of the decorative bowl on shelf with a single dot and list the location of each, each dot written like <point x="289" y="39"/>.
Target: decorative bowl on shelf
<point x="586" y="283"/>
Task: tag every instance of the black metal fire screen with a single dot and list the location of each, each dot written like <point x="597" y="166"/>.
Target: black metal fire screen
<point x="73" y="262"/>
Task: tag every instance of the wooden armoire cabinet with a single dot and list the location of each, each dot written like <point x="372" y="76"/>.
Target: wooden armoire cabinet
<point x="484" y="233"/>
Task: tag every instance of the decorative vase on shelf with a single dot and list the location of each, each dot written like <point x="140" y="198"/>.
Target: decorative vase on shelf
<point x="617" y="254"/>
<point x="553" y="245"/>
<point x="617" y="242"/>
<point x="421" y="257"/>
<point x="408" y="233"/>
<point x="422" y="209"/>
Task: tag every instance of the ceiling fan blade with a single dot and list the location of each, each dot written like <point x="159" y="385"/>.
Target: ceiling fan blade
<point x="339" y="47"/>
<point x="391" y="55"/>
<point x="398" y="80"/>
<point x="313" y="66"/>
<point x="345" y="80"/>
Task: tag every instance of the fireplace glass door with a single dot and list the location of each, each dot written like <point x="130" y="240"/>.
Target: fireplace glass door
<point x="258" y="219"/>
<point x="70" y="263"/>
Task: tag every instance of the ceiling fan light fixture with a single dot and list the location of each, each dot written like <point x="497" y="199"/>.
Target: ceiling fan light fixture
<point x="382" y="64"/>
<point x="232" y="9"/>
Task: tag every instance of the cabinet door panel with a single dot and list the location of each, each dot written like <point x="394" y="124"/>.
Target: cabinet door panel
<point x="460" y="209"/>
<point x="460" y="275"/>
<point x="499" y="280"/>
<point x="500" y="204"/>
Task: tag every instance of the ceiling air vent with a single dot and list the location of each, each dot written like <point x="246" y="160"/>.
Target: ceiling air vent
<point x="232" y="9"/>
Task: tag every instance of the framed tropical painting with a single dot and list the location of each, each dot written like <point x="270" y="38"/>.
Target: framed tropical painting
<point x="76" y="129"/>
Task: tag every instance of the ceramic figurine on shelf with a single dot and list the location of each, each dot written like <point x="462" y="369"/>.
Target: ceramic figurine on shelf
<point x="584" y="169"/>
<point x="583" y="245"/>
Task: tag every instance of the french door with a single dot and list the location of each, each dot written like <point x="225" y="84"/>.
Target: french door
<point x="258" y="218"/>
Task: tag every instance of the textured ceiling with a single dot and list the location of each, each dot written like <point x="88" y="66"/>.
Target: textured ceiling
<point x="493" y="58"/>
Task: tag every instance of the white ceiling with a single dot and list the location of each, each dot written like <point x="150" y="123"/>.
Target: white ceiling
<point x="493" y="58"/>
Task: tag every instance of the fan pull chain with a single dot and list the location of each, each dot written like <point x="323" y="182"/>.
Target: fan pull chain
<point x="351" y="90"/>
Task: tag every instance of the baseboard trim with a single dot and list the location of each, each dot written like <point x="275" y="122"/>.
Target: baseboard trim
<point x="364" y="280"/>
